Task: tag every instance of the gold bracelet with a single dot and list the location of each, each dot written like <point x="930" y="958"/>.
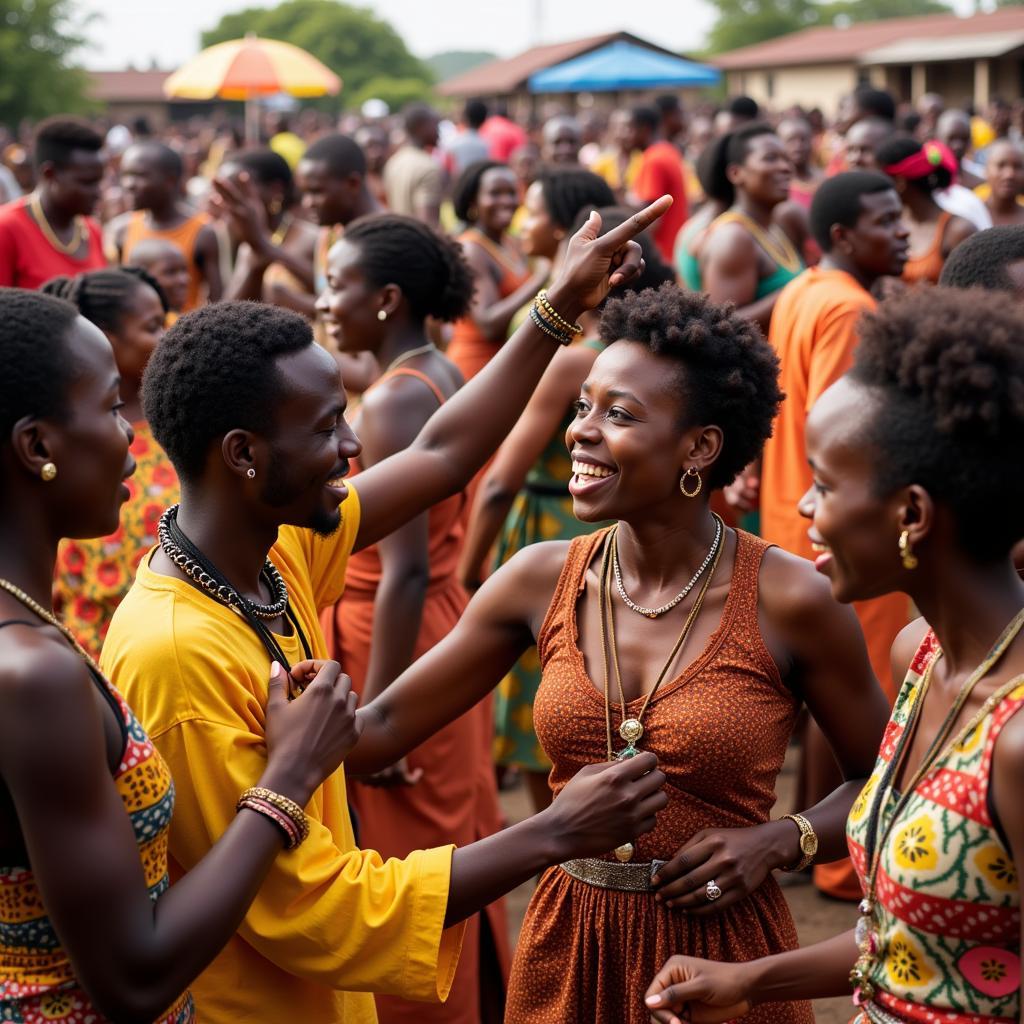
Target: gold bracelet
<point x="808" y="841"/>
<point x="282" y="803"/>
<point x="549" y="328"/>
<point x="559" y="321"/>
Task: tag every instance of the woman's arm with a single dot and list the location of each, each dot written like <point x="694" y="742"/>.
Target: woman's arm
<point x="730" y="272"/>
<point x="489" y="311"/>
<point x="132" y="956"/>
<point x="558" y="388"/>
<point x="459" y="437"/>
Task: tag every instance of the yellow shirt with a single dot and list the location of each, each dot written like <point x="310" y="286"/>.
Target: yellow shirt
<point x="329" y="917"/>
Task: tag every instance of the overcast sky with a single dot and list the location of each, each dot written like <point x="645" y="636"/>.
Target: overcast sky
<point x="137" y="31"/>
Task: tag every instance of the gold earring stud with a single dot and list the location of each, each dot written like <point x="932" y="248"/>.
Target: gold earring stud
<point x="691" y="472"/>
<point x="907" y="555"/>
<point x="48" y="472"/>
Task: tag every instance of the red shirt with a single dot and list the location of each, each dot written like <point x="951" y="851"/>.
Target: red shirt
<point x="660" y="173"/>
<point x="28" y="260"/>
<point x="502" y="136"/>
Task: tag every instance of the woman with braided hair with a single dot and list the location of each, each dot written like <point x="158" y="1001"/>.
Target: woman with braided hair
<point x="92" y="576"/>
<point x="402" y="595"/>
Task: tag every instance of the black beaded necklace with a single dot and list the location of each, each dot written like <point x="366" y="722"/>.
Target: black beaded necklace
<point x="211" y="581"/>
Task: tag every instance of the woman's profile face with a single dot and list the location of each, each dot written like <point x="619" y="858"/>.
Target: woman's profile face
<point x="855" y="533"/>
<point x="627" y="446"/>
<point x="348" y="304"/>
<point x="139" y="331"/>
<point x="540" y="235"/>
<point x="767" y="172"/>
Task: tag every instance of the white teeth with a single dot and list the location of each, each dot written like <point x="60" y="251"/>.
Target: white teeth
<point x="586" y="469"/>
<point x="820" y="548"/>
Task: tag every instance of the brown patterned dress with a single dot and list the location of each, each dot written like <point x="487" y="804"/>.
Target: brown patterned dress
<point x="586" y="955"/>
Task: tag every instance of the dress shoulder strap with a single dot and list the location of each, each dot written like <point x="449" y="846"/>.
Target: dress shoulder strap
<point x="408" y="371"/>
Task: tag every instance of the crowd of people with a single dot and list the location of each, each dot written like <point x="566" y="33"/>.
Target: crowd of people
<point x="356" y="475"/>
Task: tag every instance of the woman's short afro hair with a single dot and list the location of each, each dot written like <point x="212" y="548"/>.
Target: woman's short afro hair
<point x="948" y="369"/>
<point x="728" y="375"/>
<point x="214" y="372"/>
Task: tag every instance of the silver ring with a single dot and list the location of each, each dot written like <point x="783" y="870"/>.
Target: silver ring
<point x="712" y="891"/>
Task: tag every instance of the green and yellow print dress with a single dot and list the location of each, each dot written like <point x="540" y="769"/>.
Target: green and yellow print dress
<point x="947" y="899"/>
<point x="37" y="984"/>
<point x="542" y="510"/>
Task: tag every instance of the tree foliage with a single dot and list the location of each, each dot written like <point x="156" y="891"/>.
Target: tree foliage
<point x="745" y="22"/>
<point x="351" y="41"/>
<point x="38" y="40"/>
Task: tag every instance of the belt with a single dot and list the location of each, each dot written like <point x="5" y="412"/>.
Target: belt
<point x="610" y="874"/>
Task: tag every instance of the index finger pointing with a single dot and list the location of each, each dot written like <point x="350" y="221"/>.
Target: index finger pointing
<point x="634" y="225"/>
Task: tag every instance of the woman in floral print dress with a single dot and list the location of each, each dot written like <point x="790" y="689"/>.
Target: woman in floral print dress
<point x="911" y="495"/>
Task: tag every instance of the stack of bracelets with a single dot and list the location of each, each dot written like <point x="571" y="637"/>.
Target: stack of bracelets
<point x="286" y="814"/>
<point x="547" y="319"/>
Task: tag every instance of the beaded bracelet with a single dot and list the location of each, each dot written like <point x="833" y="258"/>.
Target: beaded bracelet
<point x="548" y="328"/>
<point x="282" y="821"/>
<point x="287" y="807"/>
<point x="555" y="316"/>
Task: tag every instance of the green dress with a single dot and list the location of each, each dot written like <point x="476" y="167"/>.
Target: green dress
<point x="542" y="510"/>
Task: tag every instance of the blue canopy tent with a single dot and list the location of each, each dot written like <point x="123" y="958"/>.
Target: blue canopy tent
<point x="623" y="65"/>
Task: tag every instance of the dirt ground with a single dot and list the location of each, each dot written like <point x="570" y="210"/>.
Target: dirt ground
<point x="816" y="917"/>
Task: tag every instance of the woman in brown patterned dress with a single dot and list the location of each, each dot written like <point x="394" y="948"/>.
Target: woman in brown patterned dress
<point x="679" y="402"/>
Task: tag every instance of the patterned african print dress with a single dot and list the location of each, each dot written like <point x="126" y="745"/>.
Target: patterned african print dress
<point x="93" y="576"/>
<point x="37" y="983"/>
<point x="542" y="510"/>
<point x="947" y="901"/>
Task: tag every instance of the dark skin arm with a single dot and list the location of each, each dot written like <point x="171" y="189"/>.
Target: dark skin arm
<point x="301" y="243"/>
<point x="820" y="649"/>
<point x="957" y="230"/>
<point x="557" y="390"/>
<point x="207" y="256"/>
<point x="489" y="311"/>
<point x="133" y="957"/>
<point x="730" y="264"/>
<point x="458" y="438"/>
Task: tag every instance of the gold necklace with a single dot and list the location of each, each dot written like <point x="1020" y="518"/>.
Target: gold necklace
<point x="49" y="617"/>
<point x="36" y="206"/>
<point x="282" y="229"/>
<point x="405" y="356"/>
<point x="866" y="931"/>
<point x="631" y="729"/>
<point x="779" y="249"/>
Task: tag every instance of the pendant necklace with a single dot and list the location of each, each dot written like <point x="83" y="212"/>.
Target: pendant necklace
<point x="866" y="931"/>
<point x="406" y="356"/>
<point x="631" y="729"/>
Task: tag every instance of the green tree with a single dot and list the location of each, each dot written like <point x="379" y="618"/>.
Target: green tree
<point x="38" y="40"/>
<point x="351" y="41"/>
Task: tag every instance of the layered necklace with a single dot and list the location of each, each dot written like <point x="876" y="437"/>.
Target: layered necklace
<point x="69" y="248"/>
<point x="631" y="730"/>
<point x="867" y="928"/>
<point x="212" y="582"/>
<point x="775" y="243"/>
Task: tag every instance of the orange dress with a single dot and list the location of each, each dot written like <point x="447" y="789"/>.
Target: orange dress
<point x="928" y="266"/>
<point x="720" y="729"/>
<point x="469" y="350"/>
<point x="456" y="801"/>
<point x="183" y="236"/>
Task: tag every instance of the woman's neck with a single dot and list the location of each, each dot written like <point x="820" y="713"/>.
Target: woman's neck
<point x="757" y="211"/>
<point x="402" y="338"/>
<point x="921" y="208"/>
<point x="27" y="551"/>
<point x="495" y="235"/>
<point x="132" y="398"/>
<point x="658" y="553"/>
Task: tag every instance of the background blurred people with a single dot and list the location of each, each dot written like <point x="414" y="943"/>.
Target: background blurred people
<point x="413" y="180"/>
<point x="561" y="141"/>
<point x="659" y="172"/>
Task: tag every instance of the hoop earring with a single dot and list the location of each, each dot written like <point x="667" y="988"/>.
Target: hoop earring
<point x="907" y="555"/>
<point x="48" y="472"/>
<point x="382" y="315"/>
<point x="251" y="473"/>
<point x="691" y="472"/>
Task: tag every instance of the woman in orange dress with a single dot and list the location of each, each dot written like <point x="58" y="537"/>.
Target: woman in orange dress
<point x="485" y="198"/>
<point x="92" y="576"/>
<point x="667" y="634"/>
<point x="917" y="172"/>
<point x="402" y="595"/>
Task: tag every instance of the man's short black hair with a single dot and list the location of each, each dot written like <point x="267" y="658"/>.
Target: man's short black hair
<point x="57" y="138"/>
<point x="417" y="114"/>
<point x="981" y="260"/>
<point x="649" y="117"/>
<point x="743" y="106"/>
<point x="875" y="102"/>
<point x="168" y="161"/>
<point x="475" y="113"/>
<point x="265" y="167"/>
<point x="213" y="372"/>
<point x="341" y="153"/>
<point x="838" y="201"/>
<point x="667" y="103"/>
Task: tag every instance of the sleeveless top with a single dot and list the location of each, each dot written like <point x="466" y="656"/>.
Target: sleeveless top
<point x="36" y="978"/>
<point x="183" y="236"/>
<point x="928" y="266"/>
<point x="446" y="529"/>
<point x="778" y="278"/>
<point x="947" y="900"/>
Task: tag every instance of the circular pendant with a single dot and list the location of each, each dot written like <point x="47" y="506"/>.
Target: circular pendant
<point x="624" y="852"/>
<point x="631" y="730"/>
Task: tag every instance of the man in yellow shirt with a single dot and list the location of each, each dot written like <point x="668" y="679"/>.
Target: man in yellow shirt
<point x="250" y="412"/>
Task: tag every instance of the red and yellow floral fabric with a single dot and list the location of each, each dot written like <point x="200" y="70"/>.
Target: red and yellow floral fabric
<point x="93" y="576"/>
<point x="947" y="900"/>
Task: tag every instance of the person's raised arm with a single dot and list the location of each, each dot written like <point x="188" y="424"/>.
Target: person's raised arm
<point x="134" y="957"/>
<point x="458" y="438"/>
<point x="207" y="255"/>
<point x="489" y="311"/>
<point x="557" y="390"/>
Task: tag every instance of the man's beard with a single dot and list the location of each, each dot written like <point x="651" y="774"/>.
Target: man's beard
<point x="278" y="493"/>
